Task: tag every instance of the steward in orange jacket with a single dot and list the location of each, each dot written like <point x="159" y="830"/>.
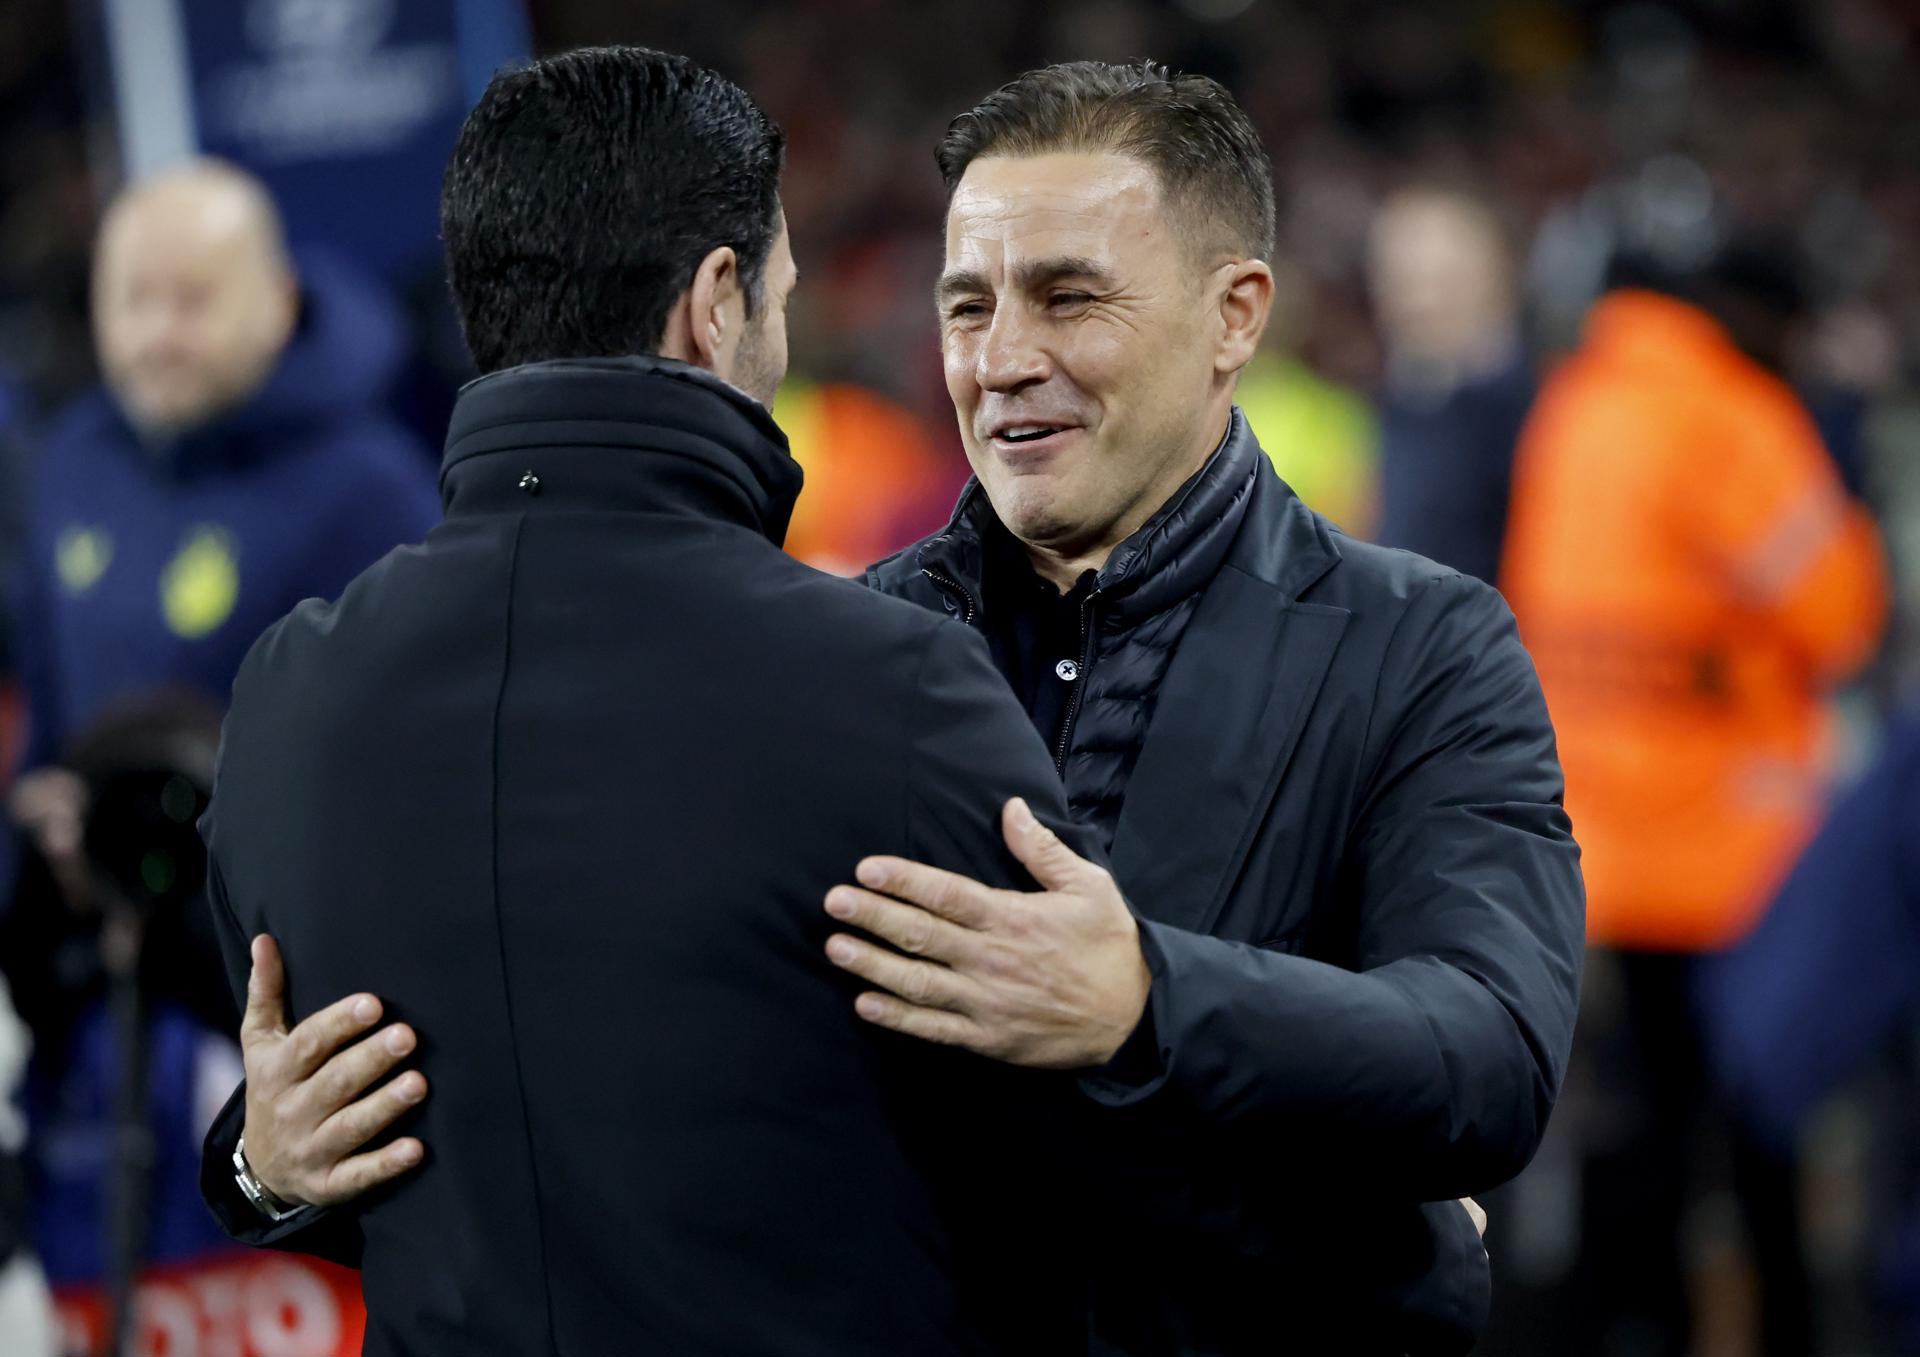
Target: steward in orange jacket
<point x="1691" y="580"/>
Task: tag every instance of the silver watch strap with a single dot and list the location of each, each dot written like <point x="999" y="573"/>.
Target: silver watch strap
<point x="256" y="1192"/>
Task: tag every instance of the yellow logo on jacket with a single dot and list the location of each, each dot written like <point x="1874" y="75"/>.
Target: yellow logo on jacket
<point x="201" y="583"/>
<point x="81" y="556"/>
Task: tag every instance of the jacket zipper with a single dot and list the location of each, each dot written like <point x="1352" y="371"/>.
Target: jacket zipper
<point x="944" y="582"/>
<point x="1079" y="685"/>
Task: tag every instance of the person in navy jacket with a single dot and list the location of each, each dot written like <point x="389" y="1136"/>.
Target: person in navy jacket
<point x="236" y="461"/>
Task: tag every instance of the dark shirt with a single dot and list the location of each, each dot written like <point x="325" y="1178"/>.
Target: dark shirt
<point x="1036" y="634"/>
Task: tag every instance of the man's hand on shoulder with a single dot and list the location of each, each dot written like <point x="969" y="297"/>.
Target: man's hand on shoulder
<point x="1053" y="979"/>
<point x="309" y="1112"/>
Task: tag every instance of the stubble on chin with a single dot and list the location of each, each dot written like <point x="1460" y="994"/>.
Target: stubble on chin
<point x="753" y="369"/>
<point x="1033" y="512"/>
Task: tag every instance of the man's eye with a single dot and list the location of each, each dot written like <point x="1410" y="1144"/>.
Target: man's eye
<point x="967" y="310"/>
<point x="1069" y="299"/>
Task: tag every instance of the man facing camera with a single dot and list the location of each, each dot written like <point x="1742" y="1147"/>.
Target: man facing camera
<point x="566" y="784"/>
<point x="1324" y="769"/>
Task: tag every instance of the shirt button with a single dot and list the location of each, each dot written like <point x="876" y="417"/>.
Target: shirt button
<point x="1067" y="670"/>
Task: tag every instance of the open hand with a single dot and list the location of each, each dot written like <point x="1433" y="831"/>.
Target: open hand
<point x="307" y="1118"/>
<point x="1053" y="979"/>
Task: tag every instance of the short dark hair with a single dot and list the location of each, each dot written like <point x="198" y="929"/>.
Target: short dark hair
<point x="1200" y="143"/>
<point x="583" y="193"/>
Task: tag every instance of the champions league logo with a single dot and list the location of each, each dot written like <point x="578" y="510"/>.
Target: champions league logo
<point x="329" y="78"/>
<point x="325" y="28"/>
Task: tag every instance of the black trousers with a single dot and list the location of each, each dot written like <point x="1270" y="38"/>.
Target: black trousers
<point x="1647" y="1139"/>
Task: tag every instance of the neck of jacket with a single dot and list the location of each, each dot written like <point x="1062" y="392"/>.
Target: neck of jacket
<point x="640" y="435"/>
<point x="1132" y="617"/>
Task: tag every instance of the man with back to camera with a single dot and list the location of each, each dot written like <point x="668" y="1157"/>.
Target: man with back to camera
<point x="1324" y="769"/>
<point x="503" y="781"/>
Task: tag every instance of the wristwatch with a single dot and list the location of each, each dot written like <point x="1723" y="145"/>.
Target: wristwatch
<point x="257" y="1192"/>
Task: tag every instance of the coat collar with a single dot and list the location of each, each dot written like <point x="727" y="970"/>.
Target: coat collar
<point x="1230" y="711"/>
<point x="640" y="434"/>
<point x="1175" y="554"/>
<point x="1282" y="543"/>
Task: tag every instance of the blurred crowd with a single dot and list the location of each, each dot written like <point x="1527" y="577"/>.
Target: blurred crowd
<point x="1615" y="305"/>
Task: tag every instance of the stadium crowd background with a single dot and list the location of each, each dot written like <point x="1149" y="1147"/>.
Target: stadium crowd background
<point x="1556" y="137"/>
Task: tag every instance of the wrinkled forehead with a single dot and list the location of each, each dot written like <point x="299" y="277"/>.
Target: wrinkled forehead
<point x="1102" y="206"/>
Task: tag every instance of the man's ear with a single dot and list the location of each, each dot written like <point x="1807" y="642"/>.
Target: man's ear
<point x="1246" y="302"/>
<point x="716" y="312"/>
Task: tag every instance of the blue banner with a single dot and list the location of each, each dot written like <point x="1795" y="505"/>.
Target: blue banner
<point x="346" y="108"/>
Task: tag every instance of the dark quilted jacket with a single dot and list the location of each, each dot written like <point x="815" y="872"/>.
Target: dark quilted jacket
<point x="1131" y="622"/>
<point x="1334" y="808"/>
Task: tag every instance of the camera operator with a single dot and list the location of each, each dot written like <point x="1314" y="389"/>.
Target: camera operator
<point x="111" y="954"/>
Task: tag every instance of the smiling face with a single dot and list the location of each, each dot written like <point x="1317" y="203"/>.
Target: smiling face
<point x="1090" y="349"/>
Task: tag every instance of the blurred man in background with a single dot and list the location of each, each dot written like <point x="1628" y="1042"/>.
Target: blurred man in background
<point x="236" y="461"/>
<point x="1693" y="582"/>
<point x="1457" y="386"/>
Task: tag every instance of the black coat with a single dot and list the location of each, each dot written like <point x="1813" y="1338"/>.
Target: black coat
<point x="1362" y="907"/>
<point x="566" y="786"/>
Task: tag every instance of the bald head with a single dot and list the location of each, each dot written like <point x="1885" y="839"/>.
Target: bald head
<point x="1441" y="277"/>
<point x="194" y="298"/>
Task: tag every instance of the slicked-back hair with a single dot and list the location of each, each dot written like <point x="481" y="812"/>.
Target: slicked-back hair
<point x="583" y="193"/>
<point x="1213" y="172"/>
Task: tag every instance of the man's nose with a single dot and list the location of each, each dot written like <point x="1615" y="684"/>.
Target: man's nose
<point x="1011" y="355"/>
<point x="154" y="330"/>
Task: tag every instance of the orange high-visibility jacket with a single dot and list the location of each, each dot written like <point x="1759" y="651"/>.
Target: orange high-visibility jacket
<point x="1691" y="579"/>
<point x="874" y="478"/>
